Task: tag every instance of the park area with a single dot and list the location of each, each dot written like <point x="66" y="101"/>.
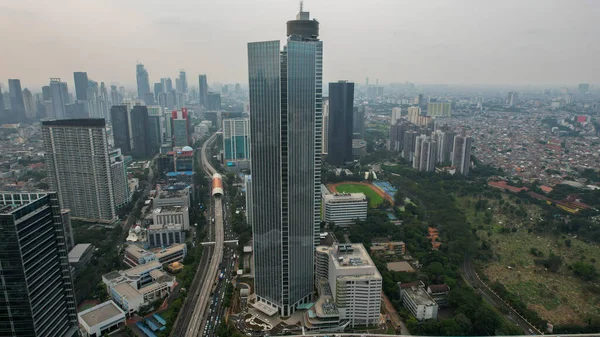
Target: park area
<point x="374" y="194"/>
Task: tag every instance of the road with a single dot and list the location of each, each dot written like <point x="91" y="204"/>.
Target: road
<point x="193" y="329"/>
<point x="493" y="299"/>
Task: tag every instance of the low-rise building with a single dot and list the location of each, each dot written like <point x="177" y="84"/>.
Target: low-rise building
<point x="344" y="209"/>
<point x="165" y="235"/>
<point x="80" y="256"/>
<point x="172" y="197"/>
<point x="135" y="255"/>
<point x="171" y="215"/>
<point x="439" y="293"/>
<point x="415" y="298"/>
<point x="171" y="254"/>
<point x="388" y="248"/>
<point x="101" y="319"/>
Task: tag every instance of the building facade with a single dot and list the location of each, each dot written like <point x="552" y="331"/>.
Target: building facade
<point x="17" y="103"/>
<point x="171" y="215"/>
<point x="120" y="128"/>
<point x="140" y="133"/>
<point x="439" y="109"/>
<point x="285" y="126"/>
<point x="344" y="209"/>
<point x="118" y="172"/>
<point x="180" y="124"/>
<point x="202" y="90"/>
<point x="236" y="139"/>
<point x="37" y="292"/>
<point x="60" y="97"/>
<point x="461" y="154"/>
<point x="165" y="235"/>
<point x="340" y="123"/>
<point x="81" y="85"/>
<point x="143" y="82"/>
<point x="78" y="166"/>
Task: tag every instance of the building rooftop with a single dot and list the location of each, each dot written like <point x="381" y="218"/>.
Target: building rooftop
<point x="136" y="251"/>
<point x="78" y="251"/>
<point x="344" y="197"/>
<point x="142" y="268"/>
<point x="126" y="290"/>
<point x="170" y="250"/>
<point x="171" y="227"/>
<point x="419" y="296"/>
<point x="173" y="193"/>
<point x="170" y="209"/>
<point x="100" y="313"/>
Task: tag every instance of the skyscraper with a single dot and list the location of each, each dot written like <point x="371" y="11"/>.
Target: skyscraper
<point x="285" y="145"/>
<point x="29" y="104"/>
<point x="118" y="174"/>
<point x="512" y="99"/>
<point x="324" y="135"/>
<point x="396" y="115"/>
<point x="17" y="105"/>
<point x="236" y="137"/>
<point x="180" y="125"/>
<point x="425" y="154"/>
<point x="439" y="109"/>
<point x="59" y="96"/>
<point x="140" y="132"/>
<point x="461" y="154"/>
<point x="143" y="82"/>
<point x="37" y="289"/>
<point x="213" y="101"/>
<point x="81" y="84"/>
<point x="2" y="105"/>
<point x="183" y="81"/>
<point x="202" y="89"/>
<point x="359" y="122"/>
<point x="340" y="124"/>
<point x="120" y="128"/>
<point x="78" y="166"/>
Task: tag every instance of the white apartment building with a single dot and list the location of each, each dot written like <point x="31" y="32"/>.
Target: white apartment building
<point x="416" y="299"/>
<point x="354" y="281"/>
<point x="118" y="172"/>
<point x="171" y="215"/>
<point x="344" y="208"/>
<point x="396" y="115"/>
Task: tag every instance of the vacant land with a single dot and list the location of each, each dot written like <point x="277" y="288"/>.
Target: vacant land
<point x="374" y="198"/>
<point x="559" y="297"/>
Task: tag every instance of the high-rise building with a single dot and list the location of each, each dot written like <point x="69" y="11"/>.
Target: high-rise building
<point x="81" y="84"/>
<point x="17" y="104"/>
<point x="512" y="99"/>
<point x="143" y="82"/>
<point x="324" y="135"/>
<point x="439" y="109"/>
<point x="2" y="105"/>
<point x="249" y="203"/>
<point x="59" y="96"/>
<point x="104" y="101"/>
<point x="118" y="173"/>
<point x="408" y="149"/>
<point x="427" y="149"/>
<point x="583" y="88"/>
<point x="46" y="93"/>
<point x="181" y="128"/>
<point x="183" y="81"/>
<point x="236" y="139"/>
<point x="120" y="128"/>
<point x="397" y="132"/>
<point x="340" y="124"/>
<point x="203" y="90"/>
<point x="213" y="101"/>
<point x="115" y="96"/>
<point x="29" y="103"/>
<point x="359" y="122"/>
<point x="285" y="145"/>
<point x="139" y="132"/>
<point x="461" y="154"/>
<point x="445" y="140"/>
<point x="154" y="127"/>
<point x="38" y="298"/>
<point x="167" y="84"/>
<point x="65" y="214"/>
<point x="78" y="166"/>
<point x="396" y="115"/>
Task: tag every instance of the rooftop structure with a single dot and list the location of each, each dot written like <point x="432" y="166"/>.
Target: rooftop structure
<point x="101" y="319"/>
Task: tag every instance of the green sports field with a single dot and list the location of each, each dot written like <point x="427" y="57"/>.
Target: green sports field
<point x="374" y="198"/>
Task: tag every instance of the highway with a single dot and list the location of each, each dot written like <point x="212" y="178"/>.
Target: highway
<point x="193" y="328"/>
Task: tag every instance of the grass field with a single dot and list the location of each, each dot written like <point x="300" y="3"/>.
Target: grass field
<point x="560" y="297"/>
<point x="374" y="198"/>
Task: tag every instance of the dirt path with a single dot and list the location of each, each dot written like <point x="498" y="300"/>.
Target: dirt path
<point x="393" y="315"/>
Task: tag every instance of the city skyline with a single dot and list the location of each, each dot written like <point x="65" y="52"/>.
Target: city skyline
<point x="483" y="43"/>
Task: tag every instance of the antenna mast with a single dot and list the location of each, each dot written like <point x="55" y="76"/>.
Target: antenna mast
<point x="301" y="5"/>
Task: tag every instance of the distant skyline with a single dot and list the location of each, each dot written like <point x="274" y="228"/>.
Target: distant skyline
<point x="536" y="42"/>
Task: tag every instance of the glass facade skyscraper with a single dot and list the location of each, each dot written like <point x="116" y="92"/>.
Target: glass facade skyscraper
<point x="285" y="146"/>
<point x="143" y="82"/>
<point x="340" y="124"/>
<point x="236" y="136"/>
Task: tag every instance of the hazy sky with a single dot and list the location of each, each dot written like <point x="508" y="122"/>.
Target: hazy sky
<point x="445" y="41"/>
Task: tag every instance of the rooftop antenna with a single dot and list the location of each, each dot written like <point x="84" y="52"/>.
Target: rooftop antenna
<point x="301" y="5"/>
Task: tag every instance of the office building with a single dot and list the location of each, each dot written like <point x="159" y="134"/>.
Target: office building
<point x="213" y="101"/>
<point x="59" y="96"/>
<point x="340" y="124"/>
<point x="172" y="197"/>
<point x="203" y="90"/>
<point x="285" y="145"/>
<point x="78" y="167"/>
<point x="236" y="139"/>
<point x="140" y="133"/>
<point x="354" y="282"/>
<point x="102" y="319"/>
<point x="2" y="104"/>
<point x="344" y="209"/>
<point x="512" y="99"/>
<point x="120" y="128"/>
<point x="396" y="115"/>
<point x="439" y="109"/>
<point x="143" y="82"/>
<point x="183" y="81"/>
<point x="38" y="299"/>
<point x="17" y="104"/>
<point x="461" y="154"/>
<point x="81" y="85"/>
<point x="171" y="215"/>
<point x="118" y="172"/>
<point x="181" y="125"/>
<point x="325" y="124"/>
<point x="155" y="137"/>
<point x="248" y="185"/>
<point x="415" y="298"/>
<point x="359" y="148"/>
<point x="29" y="104"/>
<point x="358" y="122"/>
<point x="165" y="235"/>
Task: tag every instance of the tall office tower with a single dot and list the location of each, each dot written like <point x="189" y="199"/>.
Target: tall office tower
<point x="143" y="82"/>
<point x="225" y="89"/>
<point x="105" y="109"/>
<point x="583" y="88"/>
<point x="461" y="154"/>
<point x="158" y="89"/>
<point x="120" y="127"/>
<point x="324" y="134"/>
<point x="419" y="100"/>
<point x="46" y="93"/>
<point x="359" y="122"/>
<point x="2" y="105"/>
<point x="238" y="89"/>
<point x="285" y="145"/>
<point x="183" y="81"/>
<point x="168" y="126"/>
<point x="512" y="99"/>
<point x="115" y="96"/>
<point x="118" y="173"/>
<point x="140" y="133"/>
<point x="203" y="90"/>
<point x="17" y="105"/>
<point x="78" y="166"/>
<point x="154" y="127"/>
<point x="213" y="101"/>
<point x="408" y="149"/>
<point x="59" y="97"/>
<point x="29" y="103"/>
<point x="339" y="134"/>
<point x="6" y="95"/>
<point x="37" y="289"/>
<point x="445" y="141"/>
<point x="178" y="85"/>
<point x="180" y="100"/>
<point x="181" y="126"/>
<point x="167" y="84"/>
<point x="396" y="115"/>
<point x="171" y="99"/>
<point x="439" y="109"/>
<point x="81" y="84"/>
<point x="236" y="137"/>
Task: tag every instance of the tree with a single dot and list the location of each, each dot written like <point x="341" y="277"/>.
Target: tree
<point x="398" y="198"/>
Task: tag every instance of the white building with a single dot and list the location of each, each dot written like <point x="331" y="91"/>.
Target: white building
<point x="416" y="299"/>
<point x="165" y="235"/>
<point x="396" y="115"/>
<point x="171" y="215"/>
<point x="203" y="128"/>
<point x="118" y="172"/>
<point x="103" y="318"/>
<point x="354" y="281"/>
<point x="344" y="208"/>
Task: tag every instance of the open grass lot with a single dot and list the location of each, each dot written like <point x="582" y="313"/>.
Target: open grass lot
<point x="559" y="297"/>
<point x="374" y="198"/>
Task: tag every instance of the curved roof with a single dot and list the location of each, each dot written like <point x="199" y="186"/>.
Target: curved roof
<point x="187" y="149"/>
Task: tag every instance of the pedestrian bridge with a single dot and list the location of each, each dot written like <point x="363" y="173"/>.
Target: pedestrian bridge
<point x="225" y="242"/>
